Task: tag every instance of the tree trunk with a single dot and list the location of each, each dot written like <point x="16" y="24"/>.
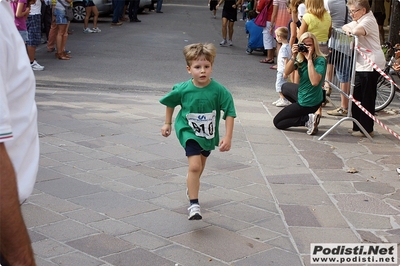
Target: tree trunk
<point x="394" y="31"/>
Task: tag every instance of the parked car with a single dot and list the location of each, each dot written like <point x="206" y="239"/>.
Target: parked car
<point x="104" y="7"/>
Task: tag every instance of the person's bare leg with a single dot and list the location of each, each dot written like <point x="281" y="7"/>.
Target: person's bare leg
<point x="88" y="10"/>
<point x="345" y="87"/>
<point x="95" y="16"/>
<point x="31" y="52"/>
<point x="196" y="167"/>
<point x="230" y="28"/>
<point x="224" y="22"/>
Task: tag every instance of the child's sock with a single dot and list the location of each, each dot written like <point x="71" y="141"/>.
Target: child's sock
<point x="194" y="201"/>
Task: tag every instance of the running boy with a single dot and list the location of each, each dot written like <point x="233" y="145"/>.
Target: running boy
<point x="201" y="99"/>
<point x="284" y="54"/>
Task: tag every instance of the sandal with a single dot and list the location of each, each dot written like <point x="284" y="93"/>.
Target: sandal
<point x="273" y="67"/>
<point x="61" y="56"/>
<point x="267" y="61"/>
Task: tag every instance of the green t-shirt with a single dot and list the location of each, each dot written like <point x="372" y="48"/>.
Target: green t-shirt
<point x="308" y="95"/>
<point x="200" y="111"/>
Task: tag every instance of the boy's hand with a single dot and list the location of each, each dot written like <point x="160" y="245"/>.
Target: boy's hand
<point x="225" y="144"/>
<point x="166" y="130"/>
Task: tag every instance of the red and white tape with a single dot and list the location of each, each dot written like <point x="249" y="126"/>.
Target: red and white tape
<point x="373" y="117"/>
<point x="358" y="48"/>
<point x="359" y="103"/>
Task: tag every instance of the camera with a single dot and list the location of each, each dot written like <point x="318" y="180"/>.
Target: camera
<point x="302" y="48"/>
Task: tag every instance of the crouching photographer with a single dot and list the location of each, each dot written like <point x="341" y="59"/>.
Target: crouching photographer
<point x="307" y="96"/>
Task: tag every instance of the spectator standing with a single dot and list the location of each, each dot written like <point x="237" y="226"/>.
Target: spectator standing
<point x="255" y="32"/>
<point x="283" y="56"/>
<point x="365" y="27"/>
<point x="90" y="9"/>
<point x="201" y="96"/>
<point x="378" y="8"/>
<point x="19" y="142"/>
<point x="213" y="7"/>
<point x="133" y="10"/>
<point x="159" y="6"/>
<point x="340" y="16"/>
<point x="118" y="6"/>
<point x="280" y="18"/>
<point x="229" y="16"/>
<point x="306" y="97"/>
<point x="34" y="26"/>
<point x="21" y="11"/>
<point x="51" y="41"/>
<point x="268" y="39"/>
<point x="62" y="29"/>
<point x="317" y="21"/>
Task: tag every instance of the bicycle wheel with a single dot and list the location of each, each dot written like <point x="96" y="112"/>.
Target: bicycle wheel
<point x="385" y="93"/>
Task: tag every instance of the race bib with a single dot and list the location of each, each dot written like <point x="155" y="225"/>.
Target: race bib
<point x="202" y="124"/>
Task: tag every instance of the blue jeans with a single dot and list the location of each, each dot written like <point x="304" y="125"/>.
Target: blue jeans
<point x="159" y="5"/>
<point x="118" y="6"/>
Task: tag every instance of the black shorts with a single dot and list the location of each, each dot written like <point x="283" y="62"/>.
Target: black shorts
<point x="88" y="3"/>
<point x="380" y="18"/>
<point x="194" y="148"/>
<point x="213" y="5"/>
<point x="230" y="14"/>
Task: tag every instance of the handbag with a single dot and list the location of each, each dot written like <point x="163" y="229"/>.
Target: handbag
<point x="69" y="13"/>
<point x="261" y="19"/>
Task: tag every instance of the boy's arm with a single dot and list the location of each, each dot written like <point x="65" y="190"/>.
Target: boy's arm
<point x="285" y="60"/>
<point x="166" y="128"/>
<point x="226" y="141"/>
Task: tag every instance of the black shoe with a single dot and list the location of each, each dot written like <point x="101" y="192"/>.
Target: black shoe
<point x="159" y="12"/>
<point x="135" y="20"/>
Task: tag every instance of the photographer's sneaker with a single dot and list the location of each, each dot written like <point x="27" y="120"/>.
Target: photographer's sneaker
<point x="312" y="124"/>
<point x="194" y="212"/>
<point x="35" y="66"/>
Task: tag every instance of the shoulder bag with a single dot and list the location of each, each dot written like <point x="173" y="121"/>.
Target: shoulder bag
<point x="69" y="13"/>
<point x="261" y="19"/>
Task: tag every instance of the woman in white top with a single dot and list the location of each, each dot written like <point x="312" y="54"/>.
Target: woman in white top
<point x="365" y="27"/>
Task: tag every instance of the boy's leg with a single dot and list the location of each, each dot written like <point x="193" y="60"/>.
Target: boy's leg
<point x="196" y="167"/>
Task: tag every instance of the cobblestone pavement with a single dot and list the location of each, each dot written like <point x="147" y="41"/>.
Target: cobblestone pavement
<point x="111" y="190"/>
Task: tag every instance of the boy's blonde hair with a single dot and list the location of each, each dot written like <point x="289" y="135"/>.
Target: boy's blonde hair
<point x="196" y="50"/>
<point x="283" y="32"/>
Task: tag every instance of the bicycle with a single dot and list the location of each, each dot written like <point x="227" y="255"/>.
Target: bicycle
<point x="385" y="89"/>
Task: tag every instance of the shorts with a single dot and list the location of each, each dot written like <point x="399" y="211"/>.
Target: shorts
<point x="34" y="26"/>
<point x="230" y="14"/>
<point x="194" y="148"/>
<point x="213" y="5"/>
<point x="380" y="18"/>
<point x="60" y="16"/>
<point x="279" y="81"/>
<point x="268" y="39"/>
<point x="24" y="35"/>
<point x="88" y="3"/>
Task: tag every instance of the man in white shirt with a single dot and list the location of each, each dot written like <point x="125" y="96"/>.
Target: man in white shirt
<point x="19" y="142"/>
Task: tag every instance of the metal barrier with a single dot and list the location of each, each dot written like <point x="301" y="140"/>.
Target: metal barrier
<point x="343" y="58"/>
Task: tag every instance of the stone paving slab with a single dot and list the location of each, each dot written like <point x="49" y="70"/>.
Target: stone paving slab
<point x="111" y="200"/>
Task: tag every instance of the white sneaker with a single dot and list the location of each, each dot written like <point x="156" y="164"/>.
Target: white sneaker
<point x="194" y="212"/>
<point x="87" y="30"/>
<point x="36" y="66"/>
<point x="312" y="124"/>
<point x="96" y="30"/>
<point x="230" y="42"/>
<point x="274" y="103"/>
<point x="224" y="42"/>
<point x="283" y="102"/>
